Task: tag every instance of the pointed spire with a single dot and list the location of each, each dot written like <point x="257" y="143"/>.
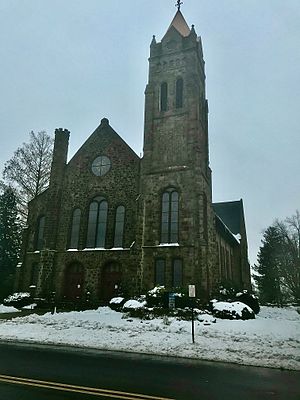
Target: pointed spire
<point x="179" y="23"/>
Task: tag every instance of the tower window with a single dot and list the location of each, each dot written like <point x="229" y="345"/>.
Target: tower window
<point x="179" y="93"/>
<point x="160" y="267"/>
<point x="97" y="223"/>
<point x="40" y="233"/>
<point x="169" y="216"/>
<point x="75" y="227"/>
<point x="119" y="226"/>
<point x="164" y="96"/>
<point x="177" y="272"/>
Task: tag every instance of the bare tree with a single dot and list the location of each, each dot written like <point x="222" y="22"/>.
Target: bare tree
<point x="289" y="230"/>
<point x="28" y="171"/>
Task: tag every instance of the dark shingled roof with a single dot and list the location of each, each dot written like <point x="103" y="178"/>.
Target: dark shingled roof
<point x="230" y="212"/>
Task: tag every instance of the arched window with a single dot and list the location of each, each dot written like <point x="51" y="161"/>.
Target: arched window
<point x="40" y="233"/>
<point x="160" y="267"/>
<point x="119" y="226"/>
<point x="75" y="227"/>
<point x="169" y="216"/>
<point x="179" y="93"/>
<point x="97" y="223"/>
<point x="177" y="272"/>
<point x="164" y="96"/>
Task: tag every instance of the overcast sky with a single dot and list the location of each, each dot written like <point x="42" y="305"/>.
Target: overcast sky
<point x="69" y="63"/>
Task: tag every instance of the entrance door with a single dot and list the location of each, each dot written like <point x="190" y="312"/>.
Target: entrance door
<point x="110" y="281"/>
<point x="74" y="279"/>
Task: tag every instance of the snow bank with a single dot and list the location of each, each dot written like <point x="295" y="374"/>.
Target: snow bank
<point x="270" y="340"/>
<point x="7" y="309"/>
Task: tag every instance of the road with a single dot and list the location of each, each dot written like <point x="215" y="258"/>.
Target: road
<point x="60" y="373"/>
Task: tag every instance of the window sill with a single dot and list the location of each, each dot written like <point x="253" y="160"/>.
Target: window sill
<point x="168" y="245"/>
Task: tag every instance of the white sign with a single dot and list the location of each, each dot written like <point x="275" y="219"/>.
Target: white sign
<point x="192" y="291"/>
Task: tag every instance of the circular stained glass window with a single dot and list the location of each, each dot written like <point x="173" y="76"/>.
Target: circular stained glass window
<point x="101" y="165"/>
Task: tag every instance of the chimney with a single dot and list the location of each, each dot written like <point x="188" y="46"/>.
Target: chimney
<point x="60" y="153"/>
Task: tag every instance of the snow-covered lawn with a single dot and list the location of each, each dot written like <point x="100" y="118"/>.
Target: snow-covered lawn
<point x="272" y="339"/>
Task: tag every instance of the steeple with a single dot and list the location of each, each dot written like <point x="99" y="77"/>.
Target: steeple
<point x="179" y="23"/>
<point x="176" y="123"/>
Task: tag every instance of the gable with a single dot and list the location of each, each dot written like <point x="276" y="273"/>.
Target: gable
<point x="103" y="141"/>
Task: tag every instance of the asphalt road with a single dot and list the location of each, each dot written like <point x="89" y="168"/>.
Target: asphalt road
<point x="56" y="373"/>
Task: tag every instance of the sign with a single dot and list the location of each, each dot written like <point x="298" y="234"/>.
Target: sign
<point x="192" y="291"/>
<point x="171" y="300"/>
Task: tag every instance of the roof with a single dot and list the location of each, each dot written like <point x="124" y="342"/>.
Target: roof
<point x="230" y="213"/>
<point x="179" y="23"/>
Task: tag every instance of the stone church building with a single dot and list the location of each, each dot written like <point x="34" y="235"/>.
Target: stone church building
<point x="112" y="222"/>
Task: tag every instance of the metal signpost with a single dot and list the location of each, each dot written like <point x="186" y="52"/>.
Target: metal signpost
<point x="192" y="294"/>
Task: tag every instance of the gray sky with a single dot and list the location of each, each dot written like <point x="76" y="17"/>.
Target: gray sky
<point x="69" y="63"/>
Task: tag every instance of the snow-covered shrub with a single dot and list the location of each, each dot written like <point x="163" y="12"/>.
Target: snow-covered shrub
<point x="226" y="292"/>
<point x="157" y="297"/>
<point x="30" y="307"/>
<point x="7" y="309"/>
<point x="116" y="303"/>
<point x="229" y="293"/>
<point x="250" y="299"/>
<point x="135" y="308"/>
<point x="133" y="304"/>
<point x="234" y="310"/>
<point x="18" y="300"/>
<point x="182" y="300"/>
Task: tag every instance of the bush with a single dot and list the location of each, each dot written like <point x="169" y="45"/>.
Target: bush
<point x="116" y="303"/>
<point x="157" y="297"/>
<point x="234" y="310"/>
<point x="250" y="299"/>
<point x="134" y="305"/>
<point x="229" y="293"/>
<point x="18" y="300"/>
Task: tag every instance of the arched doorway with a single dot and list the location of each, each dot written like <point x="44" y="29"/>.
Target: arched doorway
<point x="74" y="280"/>
<point x="111" y="277"/>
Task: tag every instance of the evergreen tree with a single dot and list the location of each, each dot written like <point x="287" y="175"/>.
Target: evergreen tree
<point x="10" y="240"/>
<point x="269" y="267"/>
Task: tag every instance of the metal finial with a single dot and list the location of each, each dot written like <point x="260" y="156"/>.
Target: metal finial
<point x="178" y="4"/>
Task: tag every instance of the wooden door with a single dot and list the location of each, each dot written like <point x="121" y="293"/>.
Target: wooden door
<point x="74" y="280"/>
<point x="110" y="281"/>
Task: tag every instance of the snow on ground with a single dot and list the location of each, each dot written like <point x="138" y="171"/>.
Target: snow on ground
<point x="271" y="340"/>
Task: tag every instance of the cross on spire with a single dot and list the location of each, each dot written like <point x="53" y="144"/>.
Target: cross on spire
<point x="178" y="4"/>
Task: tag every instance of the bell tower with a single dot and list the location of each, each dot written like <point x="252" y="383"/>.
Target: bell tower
<point x="175" y="104"/>
<point x="176" y="210"/>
